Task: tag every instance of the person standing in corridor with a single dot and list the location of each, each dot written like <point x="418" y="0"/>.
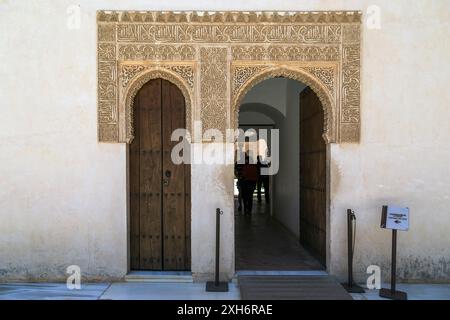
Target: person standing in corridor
<point x="263" y="181"/>
<point x="250" y="174"/>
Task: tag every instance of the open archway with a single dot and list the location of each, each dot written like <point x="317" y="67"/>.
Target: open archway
<point x="286" y="229"/>
<point x="323" y="94"/>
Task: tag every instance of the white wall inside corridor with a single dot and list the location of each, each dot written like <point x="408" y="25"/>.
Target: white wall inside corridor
<point x="287" y="181"/>
<point x="253" y="117"/>
<point x="283" y="95"/>
<point x="271" y="92"/>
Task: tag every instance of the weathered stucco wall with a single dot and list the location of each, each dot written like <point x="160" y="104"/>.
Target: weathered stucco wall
<point x="63" y="195"/>
<point x="212" y="187"/>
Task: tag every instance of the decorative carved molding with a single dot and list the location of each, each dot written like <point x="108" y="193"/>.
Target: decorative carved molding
<point x="106" y="32"/>
<point x="138" y="82"/>
<point x="106" y="51"/>
<point x="156" y="52"/>
<point x="234" y="51"/>
<point x="251" y="33"/>
<point x="230" y="17"/>
<point x="286" y="53"/>
<point x="296" y="73"/>
<point x="350" y="93"/>
<point x="129" y="71"/>
<point x="241" y="74"/>
<point x="326" y="75"/>
<point x="213" y="89"/>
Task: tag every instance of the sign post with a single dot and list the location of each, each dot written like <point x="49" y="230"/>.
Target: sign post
<point x="394" y="218"/>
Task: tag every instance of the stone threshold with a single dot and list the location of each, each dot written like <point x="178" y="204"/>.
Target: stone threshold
<point x="277" y="273"/>
<point x="159" y="276"/>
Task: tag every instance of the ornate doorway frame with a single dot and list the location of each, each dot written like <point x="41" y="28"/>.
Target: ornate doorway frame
<point x="215" y="58"/>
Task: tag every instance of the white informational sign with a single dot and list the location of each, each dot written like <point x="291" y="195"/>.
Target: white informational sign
<point x="395" y="218"/>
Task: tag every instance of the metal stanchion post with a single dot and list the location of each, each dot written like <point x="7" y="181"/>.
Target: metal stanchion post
<point x="216" y="285"/>
<point x="350" y="286"/>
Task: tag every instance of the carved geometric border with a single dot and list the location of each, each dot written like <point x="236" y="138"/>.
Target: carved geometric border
<point x="215" y="58"/>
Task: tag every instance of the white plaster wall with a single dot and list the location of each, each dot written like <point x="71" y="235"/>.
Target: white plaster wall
<point x="404" y="154"/>
<point x="63" y="195"/>
<point x="287" y="183"/>
<point x="212" y="187"/>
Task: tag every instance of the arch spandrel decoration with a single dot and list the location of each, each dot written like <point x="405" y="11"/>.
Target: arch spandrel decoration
<point x="216" y="57"/>
<point x="133" y="82"/>
<point x="263" y="72"/>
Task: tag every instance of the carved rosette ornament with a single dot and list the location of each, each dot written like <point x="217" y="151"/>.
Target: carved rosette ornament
<point x="215" y="58"/>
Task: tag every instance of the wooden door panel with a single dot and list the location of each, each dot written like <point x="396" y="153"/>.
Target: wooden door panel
<point x="312" y="175"/>
<point x="134" y="182"/>
<point x="159" y="213"/>
<point x="187" y="203"/>
<point x="150" y="175"/>
<point x="174" y="189"/>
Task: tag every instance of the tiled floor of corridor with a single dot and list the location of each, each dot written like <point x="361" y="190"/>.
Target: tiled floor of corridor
<point x="262" y="243"/>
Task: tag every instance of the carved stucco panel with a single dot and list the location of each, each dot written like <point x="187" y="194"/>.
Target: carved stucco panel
<point x="213" y="88"/>
<point x="240" y="74"/>
<point x="132" y="52"/>
<point x="350" y="120"/>
<point x="235" y="33"/>
<point x="243" y="73"/>
<point x="326" y="75"/>
<point x="262" y="72"/>
<point x="233" y="51"/>
<point x="149" y="72"/>
<point x="286" y="53"/>
<point x="129" y="71"/>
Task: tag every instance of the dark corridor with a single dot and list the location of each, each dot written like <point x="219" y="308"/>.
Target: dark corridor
<point x="262" y="243"/>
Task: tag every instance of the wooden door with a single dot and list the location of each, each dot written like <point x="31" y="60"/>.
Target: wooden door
<point x="312" y="175"/>
<point x="159" y="189"/>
